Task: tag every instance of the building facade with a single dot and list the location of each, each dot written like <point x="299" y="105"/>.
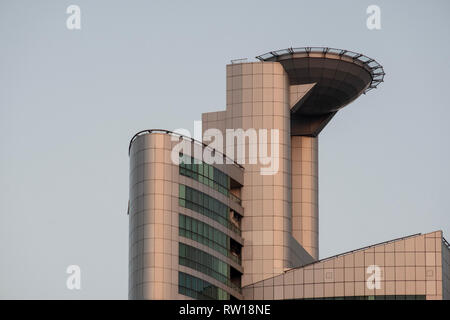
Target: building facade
<point x="224" y="230"/>
<point x="185" y="235"/>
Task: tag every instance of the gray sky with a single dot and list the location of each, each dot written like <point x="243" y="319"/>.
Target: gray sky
<point x="71" y="100"/>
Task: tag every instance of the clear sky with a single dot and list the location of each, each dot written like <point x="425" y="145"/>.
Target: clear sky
<point x="71" y="100"/>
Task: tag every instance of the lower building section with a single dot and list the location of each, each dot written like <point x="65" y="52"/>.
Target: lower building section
<point x="186" y="240"/>
<point x="391" y="297"/>
<point x="412" y="268"/>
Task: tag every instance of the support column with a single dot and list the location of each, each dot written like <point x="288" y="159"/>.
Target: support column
<point x="305" y="202"/>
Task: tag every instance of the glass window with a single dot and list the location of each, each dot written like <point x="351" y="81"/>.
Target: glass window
<point x="181" y="279"/>
<point x="211" y="172"/>
<point x="206" y="174"/>
<point x="206" y="205"/>
<point x="199" y="289"/>
<point x="182" y="190"/>
<point x="206" y="235"/>
<point x="188" y="193"/>
<point x="203" y="262"/>
<point x="182" y="221"/>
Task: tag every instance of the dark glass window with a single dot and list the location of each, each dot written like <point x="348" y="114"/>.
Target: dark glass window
<point x="204" y="204"/>
<point x="199" y="289"/>
<point x="205" y="173"/>
<point x="203" y="262"/>
<point x="206" y="235"/>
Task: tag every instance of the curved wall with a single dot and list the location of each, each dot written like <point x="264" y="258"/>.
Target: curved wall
<point x="154" y="217"/>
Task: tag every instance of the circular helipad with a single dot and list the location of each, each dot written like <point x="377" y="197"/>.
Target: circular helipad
<point x="340" y="76"/>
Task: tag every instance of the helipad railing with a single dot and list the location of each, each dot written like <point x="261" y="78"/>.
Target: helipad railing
<point x="227" y="160"/>
<point x="375" y="69"/>
<point x="446" y="243"/>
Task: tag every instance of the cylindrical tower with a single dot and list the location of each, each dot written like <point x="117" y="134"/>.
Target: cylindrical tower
<point x="321" y="82"/>
<point x="184" y="216"/>
<point x="258" y="99"/>
<point x="153" y="252"/>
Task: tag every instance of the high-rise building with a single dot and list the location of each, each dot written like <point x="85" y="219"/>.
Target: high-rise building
<point x="235" y="229"/>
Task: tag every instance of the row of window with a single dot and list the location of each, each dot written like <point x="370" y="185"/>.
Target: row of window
<point x="199" y="289"/>
<point x="205" y="263"/>
<point x="205" y="234"/>
<point x="201" y="261"/>
<point x="208" y="206"/>
<point x="205" y="173"/>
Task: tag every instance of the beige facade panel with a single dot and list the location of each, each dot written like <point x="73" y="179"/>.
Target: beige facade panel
<point x="297" y="93"/>
<point x="411" y="266"/>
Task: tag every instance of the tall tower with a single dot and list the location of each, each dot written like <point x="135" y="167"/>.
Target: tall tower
<point x="321" y="81"/>
<point x="295" y="91"/>
<point x="222" y="229"/>
<point x="206" y="230"/>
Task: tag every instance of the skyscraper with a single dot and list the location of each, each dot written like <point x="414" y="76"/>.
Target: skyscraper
<point x="228" y="229"/>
